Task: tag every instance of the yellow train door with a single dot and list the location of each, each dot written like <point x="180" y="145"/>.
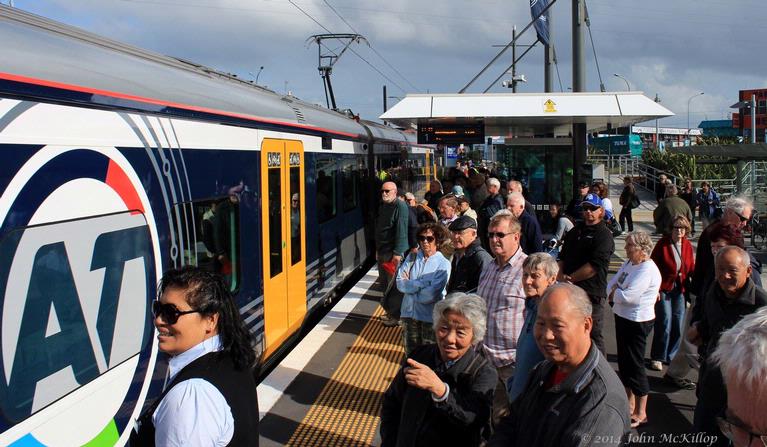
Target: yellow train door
<point x="283" y="235"/>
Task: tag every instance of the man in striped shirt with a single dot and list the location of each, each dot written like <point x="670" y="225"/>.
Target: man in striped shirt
<point x="500" y="284"/>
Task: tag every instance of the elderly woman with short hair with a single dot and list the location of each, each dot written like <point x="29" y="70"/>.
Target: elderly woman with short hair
<point x="539" y="271"/>
<point x="443" y="393"/>
<point x="633" y="292"/>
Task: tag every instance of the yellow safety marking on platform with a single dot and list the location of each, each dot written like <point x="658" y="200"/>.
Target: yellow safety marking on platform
<point x="346" y="412"/>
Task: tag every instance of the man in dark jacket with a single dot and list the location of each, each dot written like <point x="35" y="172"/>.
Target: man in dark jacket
<point x="469" y="257"/>
<point x="584" y="260"/>
<point x="670" y="207"/>
<point x="532" y="239"/>
<point x="492" y="204"/>
<point x="733" y="296"/>
<point x="573" y="397"/>
<point x="627" y="201"/>
<point x="391" y="245"/>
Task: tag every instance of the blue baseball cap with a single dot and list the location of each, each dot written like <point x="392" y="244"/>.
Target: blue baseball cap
<point x="592" y="199"/>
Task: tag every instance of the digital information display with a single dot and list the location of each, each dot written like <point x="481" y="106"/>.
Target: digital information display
<point x="451" y="133"/>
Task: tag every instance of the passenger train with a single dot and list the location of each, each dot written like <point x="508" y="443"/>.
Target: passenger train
<point x="118" y="164"/>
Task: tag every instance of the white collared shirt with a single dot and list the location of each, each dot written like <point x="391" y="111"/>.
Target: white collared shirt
<point x="194" y="412"/>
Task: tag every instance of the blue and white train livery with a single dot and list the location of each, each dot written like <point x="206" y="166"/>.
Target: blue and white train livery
<point x="118" y="164"/>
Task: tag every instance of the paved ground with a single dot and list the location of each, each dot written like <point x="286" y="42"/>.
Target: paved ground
<point x="669" y="410"/>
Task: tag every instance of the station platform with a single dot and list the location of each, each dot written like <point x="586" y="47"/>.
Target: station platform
<point x="328" y="390"/>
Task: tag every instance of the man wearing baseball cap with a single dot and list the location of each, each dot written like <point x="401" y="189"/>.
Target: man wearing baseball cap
<point x="469" y="257"/>
<point x="584" y="260"/>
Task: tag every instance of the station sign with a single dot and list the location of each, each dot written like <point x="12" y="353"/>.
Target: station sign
<point x="451" y="134"/>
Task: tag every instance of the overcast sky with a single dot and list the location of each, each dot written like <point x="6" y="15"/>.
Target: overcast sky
<point x="675" y="48"/>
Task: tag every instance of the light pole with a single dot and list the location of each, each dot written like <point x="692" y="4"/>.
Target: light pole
<point x="657" y="144"/>
<point x="628" y="86"/>
<point x="257" y="74"/>
<point x="688" y="111"/>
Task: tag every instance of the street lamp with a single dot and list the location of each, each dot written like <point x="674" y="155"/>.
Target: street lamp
<point x="628" y="86"/>
<point x="688" y="111"/>
<point x="257" y="74"/>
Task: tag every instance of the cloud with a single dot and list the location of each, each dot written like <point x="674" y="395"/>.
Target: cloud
<point x="672" y="48"/>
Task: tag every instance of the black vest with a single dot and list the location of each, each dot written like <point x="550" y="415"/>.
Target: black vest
<point x="237" y="387"/>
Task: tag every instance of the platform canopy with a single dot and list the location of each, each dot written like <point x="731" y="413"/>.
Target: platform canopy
<point x="526" y="114"/>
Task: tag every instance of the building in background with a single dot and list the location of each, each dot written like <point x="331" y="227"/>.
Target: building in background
<point x="667" y="136"/>
<point x="742" y="119"/>
<point x="719" y="128"/>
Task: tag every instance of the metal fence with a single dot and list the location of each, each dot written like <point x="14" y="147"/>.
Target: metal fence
<point x="750" y="182"/>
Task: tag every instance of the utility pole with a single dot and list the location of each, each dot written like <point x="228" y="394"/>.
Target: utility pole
<point x="657" y="144"/>
<point x="579" y="85"/>
<point x="548" y="58"/>
<point x="514" y="59"/>
<point x="753" y="119"/>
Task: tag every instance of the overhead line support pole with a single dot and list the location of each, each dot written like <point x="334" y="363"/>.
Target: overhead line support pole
<point x="579" y="85"/>
<point x="509" y="68"/>
<point x="548" y="58"/>
<point x="503" y="50"/>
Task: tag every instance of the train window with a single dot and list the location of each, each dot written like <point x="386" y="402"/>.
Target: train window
<point x="217" y="246"/>
<point x="275" y="222"/>
<point x="350" y="179"/>
<point x="326" y="189"/>
<point x="295" y="215"/>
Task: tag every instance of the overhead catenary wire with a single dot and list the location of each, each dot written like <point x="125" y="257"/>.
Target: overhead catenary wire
<point x="593" y="48"/>
<point x="350" y="49"/>
<point x="556" y="66"/>
<point x="371" y="46"/>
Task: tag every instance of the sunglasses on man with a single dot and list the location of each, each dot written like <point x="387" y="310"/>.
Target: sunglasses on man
<point x="169" y="312"/>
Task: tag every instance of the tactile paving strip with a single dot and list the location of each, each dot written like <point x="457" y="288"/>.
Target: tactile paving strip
<point x="346" y="412"/>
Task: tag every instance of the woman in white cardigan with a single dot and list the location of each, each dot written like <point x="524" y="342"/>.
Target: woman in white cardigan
<point x="633" y="292"/>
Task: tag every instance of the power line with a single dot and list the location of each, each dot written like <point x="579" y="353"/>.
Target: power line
<point x="350" y="49"/>
<point x="593" y="48"/>
<point x="371" y="45"/>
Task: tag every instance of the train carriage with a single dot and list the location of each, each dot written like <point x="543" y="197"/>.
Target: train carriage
<point x="119" y="164"/>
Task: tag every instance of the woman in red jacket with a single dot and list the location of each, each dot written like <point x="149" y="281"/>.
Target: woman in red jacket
<point x="673" y="255"/>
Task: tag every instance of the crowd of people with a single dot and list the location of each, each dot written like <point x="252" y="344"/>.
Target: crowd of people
<point x="503" y="313"/>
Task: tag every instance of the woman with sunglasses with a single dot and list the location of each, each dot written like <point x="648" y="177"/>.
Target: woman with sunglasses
<point x="210" y="394"/>
<point x="422" y="278"/>
<point x="673" y="255"/>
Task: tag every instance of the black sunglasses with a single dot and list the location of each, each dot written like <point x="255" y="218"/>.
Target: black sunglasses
<point x="589" y="207"/>
<point x="168" y="312"/>
<point x="386" y="191"/>
<point x="498" y="234"/>
<point x="428" y="239"/>
<point x="742" y="218"/>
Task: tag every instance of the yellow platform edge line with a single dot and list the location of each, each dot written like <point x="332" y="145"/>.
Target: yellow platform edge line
<point x="373" y="359"/>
